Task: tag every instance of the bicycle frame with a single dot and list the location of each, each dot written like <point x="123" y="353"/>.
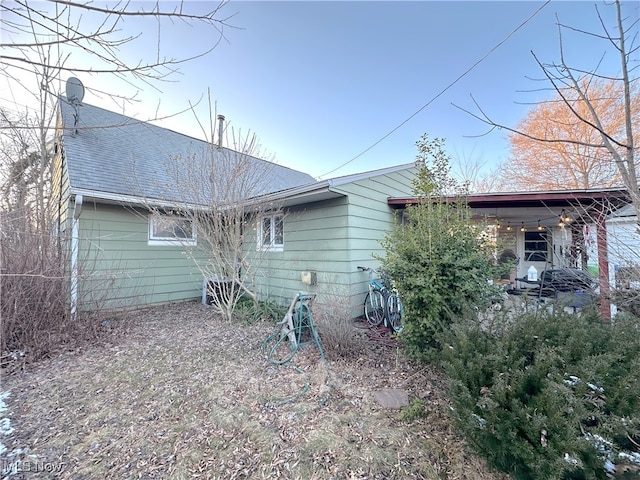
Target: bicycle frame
<point x="374" y="284"/>
<point x="394" y="311"/>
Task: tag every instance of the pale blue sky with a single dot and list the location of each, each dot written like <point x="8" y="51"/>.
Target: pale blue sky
<point x="320" y="82"/>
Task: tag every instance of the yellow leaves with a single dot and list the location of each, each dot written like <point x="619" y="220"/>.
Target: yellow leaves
<point x="560" y="149"/>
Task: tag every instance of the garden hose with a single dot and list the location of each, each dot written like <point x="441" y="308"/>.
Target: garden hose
<point x="304" y="390"/>
<point x="280" y="339"/>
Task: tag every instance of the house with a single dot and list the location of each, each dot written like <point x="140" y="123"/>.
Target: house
<point x="110" y="169"/>
<point x="117" y="179"/>
<point x="623" y="240"/>
<point x="586" y="229"/>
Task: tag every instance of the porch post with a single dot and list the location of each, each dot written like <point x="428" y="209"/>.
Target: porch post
<point x="603" y="266"/>
<point x="578" y="252"/>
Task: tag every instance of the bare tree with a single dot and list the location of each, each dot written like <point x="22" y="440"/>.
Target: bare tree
<point x="42" y="43"/>
<point x="572" y="85"/>
<point x="536" y="165"/>
<point x="20" y="163"/>
<point x="33" y="283"/>
<point x="223" y="195"/>
<point x="471" y="171"/>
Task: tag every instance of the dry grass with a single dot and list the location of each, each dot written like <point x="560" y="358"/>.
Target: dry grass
<point x="186" y="395"/>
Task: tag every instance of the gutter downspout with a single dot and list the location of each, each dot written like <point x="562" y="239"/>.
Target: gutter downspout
<point x="75" y="238"/>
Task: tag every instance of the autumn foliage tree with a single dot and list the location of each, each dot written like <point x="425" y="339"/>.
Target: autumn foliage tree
<point x="575" y="159"/>
<point x="579" y="90"/>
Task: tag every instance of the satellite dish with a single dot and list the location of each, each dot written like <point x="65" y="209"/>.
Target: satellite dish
<point x="75" y="90"/>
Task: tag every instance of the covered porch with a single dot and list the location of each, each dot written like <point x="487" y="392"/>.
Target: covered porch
<point x="552" y="230"/>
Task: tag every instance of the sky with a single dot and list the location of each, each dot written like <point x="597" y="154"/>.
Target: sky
<point x="333" y="88"/>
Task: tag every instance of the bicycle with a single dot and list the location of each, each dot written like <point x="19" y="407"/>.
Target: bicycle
<point x="382" y="305"/>
<point x="394" y="311"/>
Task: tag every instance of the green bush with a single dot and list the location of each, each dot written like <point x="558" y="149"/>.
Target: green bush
<point x="546" y="395"/>
<point x="248" y="312"/>
<point x="439" y="259"/>
<point x="416" y="410"/>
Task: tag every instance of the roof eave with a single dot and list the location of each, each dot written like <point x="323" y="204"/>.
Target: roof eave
<point x="524" y="199"/>
<point x="131" y="200"/>
<point x="312" y="192"/>
<point x="291" y="197"/>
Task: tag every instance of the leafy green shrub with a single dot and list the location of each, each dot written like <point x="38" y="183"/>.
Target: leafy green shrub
<point x="439" y="259"/>
<point x="249" y="312"/>
<point x="547" y="395"/>
<point x="414" y="411"/>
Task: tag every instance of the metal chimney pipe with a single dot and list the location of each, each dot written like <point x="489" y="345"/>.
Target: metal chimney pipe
<point x="220" y="128"/>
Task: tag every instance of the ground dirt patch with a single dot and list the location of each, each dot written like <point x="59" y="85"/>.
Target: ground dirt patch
<point x="185" y="395"/>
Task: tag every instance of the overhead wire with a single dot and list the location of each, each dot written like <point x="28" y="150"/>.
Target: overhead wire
<point x="460" y="77"/>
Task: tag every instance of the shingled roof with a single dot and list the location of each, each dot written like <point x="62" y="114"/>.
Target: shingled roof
<point x="111" y="155"/>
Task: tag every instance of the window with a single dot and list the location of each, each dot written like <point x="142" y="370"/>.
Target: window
<point x="271" y="235"/>
<point x="171" y="230"/>
<point x="535" y="246"/>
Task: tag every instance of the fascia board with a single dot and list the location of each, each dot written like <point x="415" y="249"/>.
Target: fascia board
<point x="327" y="188"/>
<point x="356" y="177"/>
<point x="131" y="200"/>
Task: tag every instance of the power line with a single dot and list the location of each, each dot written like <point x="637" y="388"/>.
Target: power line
<point x="460" y="77"/>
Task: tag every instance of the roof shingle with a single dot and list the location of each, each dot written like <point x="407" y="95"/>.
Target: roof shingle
<point x="114" y="154"/>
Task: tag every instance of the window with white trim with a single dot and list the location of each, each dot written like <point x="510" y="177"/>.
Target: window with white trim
<point x="271" y="233"/>
<point x="171" y="230"/>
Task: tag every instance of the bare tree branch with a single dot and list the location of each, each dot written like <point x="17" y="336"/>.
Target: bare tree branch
<point x="573" y="87"/>
<point x="486" y="119"/>
<point x="64" y="29"/>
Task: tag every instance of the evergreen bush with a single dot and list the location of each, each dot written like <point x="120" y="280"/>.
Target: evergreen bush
<point x="547" y="395"/>
<point x="438" y="258"/>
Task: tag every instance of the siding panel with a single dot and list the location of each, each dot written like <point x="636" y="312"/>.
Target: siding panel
<point x="333" y="238"/>
<point x="120" y="270"/>
<point x="370" y="218"/>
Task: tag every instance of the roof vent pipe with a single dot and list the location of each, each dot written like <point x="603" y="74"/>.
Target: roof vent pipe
<point x="220" y="128"/>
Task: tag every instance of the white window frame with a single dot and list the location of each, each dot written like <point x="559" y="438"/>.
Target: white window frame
<point x="271" y="246"/>
<point x="156" y="240"/>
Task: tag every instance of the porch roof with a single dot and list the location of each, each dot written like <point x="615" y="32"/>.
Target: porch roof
<point x="531" y="208"/>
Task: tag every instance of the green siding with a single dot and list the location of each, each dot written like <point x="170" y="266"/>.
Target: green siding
<point x="117" y="267"/>
<point x="370" y="218"/>
<point x="333" y="238"/>
<point x="315" y="238"/>
<point x="330" y="237"/>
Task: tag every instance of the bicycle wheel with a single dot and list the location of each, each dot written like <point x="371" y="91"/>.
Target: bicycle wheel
<point x="394" y="313"/>
<point x="374" y="308"/>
